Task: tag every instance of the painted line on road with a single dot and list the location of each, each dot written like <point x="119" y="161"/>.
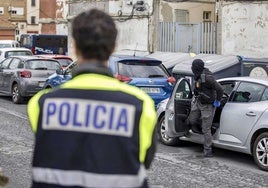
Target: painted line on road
<point x="13" y="113"/>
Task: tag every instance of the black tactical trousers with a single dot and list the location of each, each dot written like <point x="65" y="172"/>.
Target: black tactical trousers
<point x="204" y="113"/>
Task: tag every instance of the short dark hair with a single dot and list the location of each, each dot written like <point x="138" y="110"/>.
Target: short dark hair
<point x="95" y="34"/>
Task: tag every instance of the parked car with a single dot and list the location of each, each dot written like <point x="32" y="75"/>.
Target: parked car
<point x="146" y="73"/>
<point x="60" y="76"/>
<point x="64" y="60"/>
<point x="23" y="76"/>
<point x="6" y="52"/>
<point x="9" y="44"/>
<point x="240" y="123"/>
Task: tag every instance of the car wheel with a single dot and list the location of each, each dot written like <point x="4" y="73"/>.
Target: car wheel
<point x="16" y="97"/>
<point x="162" y="135"/>
<point x="260" y="151"/>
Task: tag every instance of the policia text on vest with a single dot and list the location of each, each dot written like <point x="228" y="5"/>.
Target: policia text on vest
<point x="88" y="116"/>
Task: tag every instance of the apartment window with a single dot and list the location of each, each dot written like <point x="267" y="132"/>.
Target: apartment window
<point x="1" y="10"/>
<point x="14" y="12"/>
<point x="181" y="15"/>
<point x="33" y="3"/>
<point x="207" y="16"/>
<point x="17" y="11"/>
<point x="17" y="32"/>
<point x="32" y="19"/>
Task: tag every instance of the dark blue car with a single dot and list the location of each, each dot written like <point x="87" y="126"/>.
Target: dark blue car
<point x="148" y="74"/>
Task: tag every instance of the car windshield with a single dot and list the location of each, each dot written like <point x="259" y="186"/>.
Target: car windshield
<point x="43" y="65"/>
<point x="139" y="69"/>
<point x="14" y="53"/>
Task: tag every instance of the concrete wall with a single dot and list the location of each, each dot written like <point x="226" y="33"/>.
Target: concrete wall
<point x="245" y="28"/>
<point x="133" y="29"/>
<point x="133" y="34"/>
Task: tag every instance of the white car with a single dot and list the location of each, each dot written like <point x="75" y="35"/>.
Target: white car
<point x="240" y="123"/>
<point x="7" y="52"/>
<point x="9" y="44"/>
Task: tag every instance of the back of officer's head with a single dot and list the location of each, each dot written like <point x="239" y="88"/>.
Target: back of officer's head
<point x="94" y="33"/>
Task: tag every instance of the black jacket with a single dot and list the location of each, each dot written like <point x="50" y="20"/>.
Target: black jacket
<point x="207" y="88"/>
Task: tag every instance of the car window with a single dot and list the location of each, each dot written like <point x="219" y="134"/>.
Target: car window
<point x="228" y="87"/>
<point x="248" y="92"/>
<point x="141" y="70"/>
<point x="14" y="63"/>
<point x="264" y="96"/>
<point x="183" y="91"/>
<point x="70" y="68"/>
<point x="43" y="65"/>
<point x="12" y="53"/>
<point x="64" y="62"/>
<point x="5" y="63"/>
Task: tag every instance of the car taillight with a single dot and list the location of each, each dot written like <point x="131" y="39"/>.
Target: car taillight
<point x="33" y="50"/>
<point x="171" y="80"/>
<point x="123" y="78"/>
<point x="25" y="74"/>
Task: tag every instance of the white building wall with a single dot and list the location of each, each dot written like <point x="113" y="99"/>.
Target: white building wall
<point x="32" y="11"/>
<point x="133" y="26"/>
<point x="133" y="35"/>
<point x="245" y="29"/>
<point x="133" y="30"/>
<point x="61" y="17"/>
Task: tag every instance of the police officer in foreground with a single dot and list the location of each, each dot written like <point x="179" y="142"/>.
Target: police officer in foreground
<point x="208" y="93"/>
<point x="92" y="131"/>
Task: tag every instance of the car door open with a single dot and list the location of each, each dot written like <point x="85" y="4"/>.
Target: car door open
<point x="178" y="109"/>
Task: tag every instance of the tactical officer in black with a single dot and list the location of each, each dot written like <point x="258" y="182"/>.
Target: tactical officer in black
<point x="208" y="93"/>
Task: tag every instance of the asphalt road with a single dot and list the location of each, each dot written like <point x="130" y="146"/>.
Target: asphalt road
<point x="173" y="167"/>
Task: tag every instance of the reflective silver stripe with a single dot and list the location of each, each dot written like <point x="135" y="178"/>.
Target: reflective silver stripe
<point x="86" y="179"/>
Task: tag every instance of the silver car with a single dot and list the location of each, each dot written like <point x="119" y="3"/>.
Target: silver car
<point x="240" y="123"/>
<point x="23" y="76"/>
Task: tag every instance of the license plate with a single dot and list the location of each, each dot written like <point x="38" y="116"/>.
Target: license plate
<point x="41" y="84"/>
<point x="150" y="89"/>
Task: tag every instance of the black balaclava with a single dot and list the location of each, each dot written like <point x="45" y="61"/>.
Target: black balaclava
<point x="197" y="67"/>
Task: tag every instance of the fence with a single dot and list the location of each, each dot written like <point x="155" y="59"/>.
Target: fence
<point x="187" y="37"/>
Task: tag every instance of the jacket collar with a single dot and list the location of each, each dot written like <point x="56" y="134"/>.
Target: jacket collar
<point x="87" y="68"/>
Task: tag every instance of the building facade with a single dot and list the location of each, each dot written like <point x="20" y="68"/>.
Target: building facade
<point x="241" y="26"/>
<point x="33" y="8"/>
<point x="244" y="28"/>
<point x="53" y="17"/>
<point x="12" y="17"/>
<point x="32" y="16"/>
